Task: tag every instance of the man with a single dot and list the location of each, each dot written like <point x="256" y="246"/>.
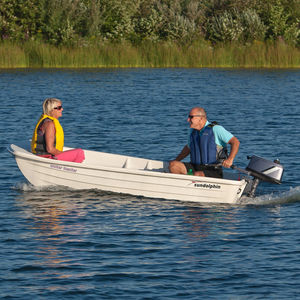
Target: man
<point x="206" y="146"/>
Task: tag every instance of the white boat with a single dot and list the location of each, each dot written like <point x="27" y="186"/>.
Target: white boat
<point x="126" y="174"/>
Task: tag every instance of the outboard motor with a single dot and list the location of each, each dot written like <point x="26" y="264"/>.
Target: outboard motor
<point x="263" y="170"/>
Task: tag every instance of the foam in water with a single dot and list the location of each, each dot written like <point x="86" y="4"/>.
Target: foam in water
<point x="292" y="195"/>
<point x="27" y="187"/>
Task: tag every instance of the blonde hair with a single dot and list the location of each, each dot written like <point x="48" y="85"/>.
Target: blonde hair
<point x="49" y="104"/>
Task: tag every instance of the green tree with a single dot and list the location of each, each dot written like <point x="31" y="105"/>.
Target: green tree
<point x="253" y="27"/>
<point x="8" y="26"/>
<point x="65" y="22"/>
<point x="20" y="20"/>
<point x="117" y="19"/>
<point x="175" y="25"/>
<point x="225" y="27"/>
<point x="147" y="22"/>
<point x="62" y="19"/>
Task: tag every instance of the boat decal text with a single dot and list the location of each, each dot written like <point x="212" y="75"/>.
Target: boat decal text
<point x="206" y="185"/>
<point x="63" y="168"/>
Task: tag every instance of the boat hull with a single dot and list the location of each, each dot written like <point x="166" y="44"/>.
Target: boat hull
<point x="125" y="174"/>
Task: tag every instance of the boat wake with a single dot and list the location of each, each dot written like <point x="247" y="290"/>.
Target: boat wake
<point x="290" y="196"/>
<point x="27" y="187"/>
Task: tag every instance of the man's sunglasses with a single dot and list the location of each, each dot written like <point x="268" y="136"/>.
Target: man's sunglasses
<point x="191" y="117"/>
<point x="58" y="107"/>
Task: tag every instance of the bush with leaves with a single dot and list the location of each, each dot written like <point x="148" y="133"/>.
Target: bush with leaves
<point x="292" y="34"/>
<point x="20" y="20"/>
<point x="281" y="26"/>
<point x="116" y="23"/>
<point x="8" y="19"/>
<point x="281" y="18"/>
<point x="225" y="27"/>
<point x="61" y="23"/>
<point x="253" y="28"/>
<point x="175" y="25"/>
<point x="147" y="22"/>
<point x="65" y="22"/>
<point x="277" y="20"/>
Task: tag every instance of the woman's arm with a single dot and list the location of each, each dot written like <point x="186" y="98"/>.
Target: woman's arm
<point x="50" y="138"/>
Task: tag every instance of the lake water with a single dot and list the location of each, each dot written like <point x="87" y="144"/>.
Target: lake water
<point x="64" y="244"/>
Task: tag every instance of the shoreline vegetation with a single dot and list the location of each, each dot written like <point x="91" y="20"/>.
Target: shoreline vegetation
<point x="150" y="33"/>
<point x="149" y="55"/>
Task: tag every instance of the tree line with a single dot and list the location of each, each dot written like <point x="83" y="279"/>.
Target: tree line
<point x="84" y="22"/>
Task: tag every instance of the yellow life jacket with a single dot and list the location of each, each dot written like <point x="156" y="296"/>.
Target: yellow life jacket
<point x="59" y="136"/>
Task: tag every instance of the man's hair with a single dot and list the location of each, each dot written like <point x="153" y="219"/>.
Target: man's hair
<point x="201" y="111"/>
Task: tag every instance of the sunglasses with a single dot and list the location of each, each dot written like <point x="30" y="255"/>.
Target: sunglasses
<point x="191" y="117"/>
<point x="58" y="107"/>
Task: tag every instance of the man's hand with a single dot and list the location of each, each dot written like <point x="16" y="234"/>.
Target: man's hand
<point x="227" y="163"/>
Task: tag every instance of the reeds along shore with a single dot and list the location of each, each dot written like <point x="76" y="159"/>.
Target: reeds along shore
<point x="194" y="55"/>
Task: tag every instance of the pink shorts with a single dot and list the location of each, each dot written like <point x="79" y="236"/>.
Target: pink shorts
<point x="74" y="155"/>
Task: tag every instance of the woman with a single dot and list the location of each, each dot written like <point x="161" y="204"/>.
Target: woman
<point x="48" y="136"/>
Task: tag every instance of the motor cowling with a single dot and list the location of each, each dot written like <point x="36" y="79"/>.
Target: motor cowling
<point x="265" y="170"/>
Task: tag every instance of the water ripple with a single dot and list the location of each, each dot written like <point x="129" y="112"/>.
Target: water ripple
<point x="57" y="243"/>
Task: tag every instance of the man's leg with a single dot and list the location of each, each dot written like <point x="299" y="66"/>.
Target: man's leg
<point x="177" y="167"/>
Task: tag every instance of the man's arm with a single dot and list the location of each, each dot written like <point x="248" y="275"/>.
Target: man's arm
<point x="234" y="144"/>
<point x="176" y="166"/>
<point x="184" y="153"/>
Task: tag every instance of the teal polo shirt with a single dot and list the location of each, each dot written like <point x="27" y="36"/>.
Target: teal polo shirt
<point x="222" y="136"/>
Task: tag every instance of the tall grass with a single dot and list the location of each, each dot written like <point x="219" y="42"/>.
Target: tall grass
<point x="198" y="54"/>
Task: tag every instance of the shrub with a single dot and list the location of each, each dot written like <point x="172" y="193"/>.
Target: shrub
<point x="225" y="27"/>
<point x="253" y="27"/>
<point x="292" y="34"/>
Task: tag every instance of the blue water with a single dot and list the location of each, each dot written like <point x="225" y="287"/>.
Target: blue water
<point x="63" y="244"/>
